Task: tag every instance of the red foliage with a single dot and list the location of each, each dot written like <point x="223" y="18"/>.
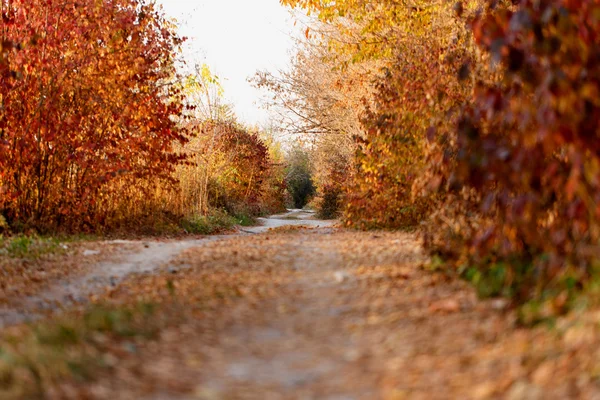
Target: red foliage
<point x="247" y="162"/>
<point x="528" y="148"/>
<point x="85" y="102"/>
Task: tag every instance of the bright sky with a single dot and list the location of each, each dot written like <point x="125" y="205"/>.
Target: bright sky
<point x="235" y="38"/>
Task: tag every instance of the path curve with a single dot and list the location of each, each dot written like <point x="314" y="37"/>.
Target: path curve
<point x="142" y="257"/>
<point x="293" y="217"/>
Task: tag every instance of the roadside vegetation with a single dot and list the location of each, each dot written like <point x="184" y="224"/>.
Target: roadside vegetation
<point x="458" y="119"/>
<point x="455" y="119"/>
<point x="100" y="133"/>
<point x="35" y="360"/>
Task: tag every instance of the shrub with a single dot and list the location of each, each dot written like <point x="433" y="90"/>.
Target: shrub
<point x="215" y="222"/>
<point x="419" y="89"/>
<point x="523" y="175"/>
<point x="86" y="107"/>
<point x="328" y="206"/>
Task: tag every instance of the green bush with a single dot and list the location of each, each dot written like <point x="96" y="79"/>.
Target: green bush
<point x="215" y="222"/>
<point x="298" y="178"/>
<point x="329" y="205"/>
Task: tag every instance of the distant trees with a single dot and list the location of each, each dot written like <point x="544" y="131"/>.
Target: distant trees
<point x="314" y="96"/>
<point x="228" y="166"/>
<point x="298" y="177"/>
<point x="323" y="104"/>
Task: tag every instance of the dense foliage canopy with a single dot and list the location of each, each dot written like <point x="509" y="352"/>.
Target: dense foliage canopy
<point x="99" y="128"/>
<point x="482" y="130"/>
<point x="86" y="102"/>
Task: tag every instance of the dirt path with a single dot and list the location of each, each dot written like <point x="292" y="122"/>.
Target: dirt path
<point x="295" y="313"/>
<point x="138" y="257"/>
<point x="336" y="315"/>
<point x="292" y="218"/>
<point x="135" y="257"/>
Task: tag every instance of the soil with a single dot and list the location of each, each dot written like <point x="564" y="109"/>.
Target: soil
<point x="294" y="311"/>
<point x="89" y="269"/>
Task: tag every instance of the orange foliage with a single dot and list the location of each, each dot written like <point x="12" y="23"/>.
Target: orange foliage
<point x="419" y="90"/>
<point x="86" y="107"/>
<point x="247" y="169"/>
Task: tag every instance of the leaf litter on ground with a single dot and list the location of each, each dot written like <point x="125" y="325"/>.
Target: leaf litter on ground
<point x="266" y="316"/>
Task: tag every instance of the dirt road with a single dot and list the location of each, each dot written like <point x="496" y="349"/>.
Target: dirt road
<point x="330" y="314"/>
<point x="125" y="257"/>
<point x="323" y="313"/>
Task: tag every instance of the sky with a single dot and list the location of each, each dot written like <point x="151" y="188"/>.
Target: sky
<point x="235" y="38"/>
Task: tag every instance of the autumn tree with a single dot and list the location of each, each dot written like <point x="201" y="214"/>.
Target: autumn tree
<point x="220" y="153"/>
<point x="246" y="166"/>
<point x="205" y="94"/>
<point x="318" y="103"/>
<point x="87" y="102"/>
<point x="419" y="49"/>
<point x="205" y="97"/>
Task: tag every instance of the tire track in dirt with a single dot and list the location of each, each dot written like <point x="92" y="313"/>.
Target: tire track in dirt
<point x="140" y="257"/>
<point x="145" y="257"/>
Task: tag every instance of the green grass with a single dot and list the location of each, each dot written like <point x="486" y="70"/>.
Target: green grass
<point x="30" y="247"/>
<point x="536" y="296"/>
<point x="245" y="219"/>
<point x="77" y="347"/>
<point x="216" y="222"/>
<point x="34" y="247"/>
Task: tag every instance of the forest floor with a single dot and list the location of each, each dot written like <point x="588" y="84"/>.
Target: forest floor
<point x="288" y="311"/>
